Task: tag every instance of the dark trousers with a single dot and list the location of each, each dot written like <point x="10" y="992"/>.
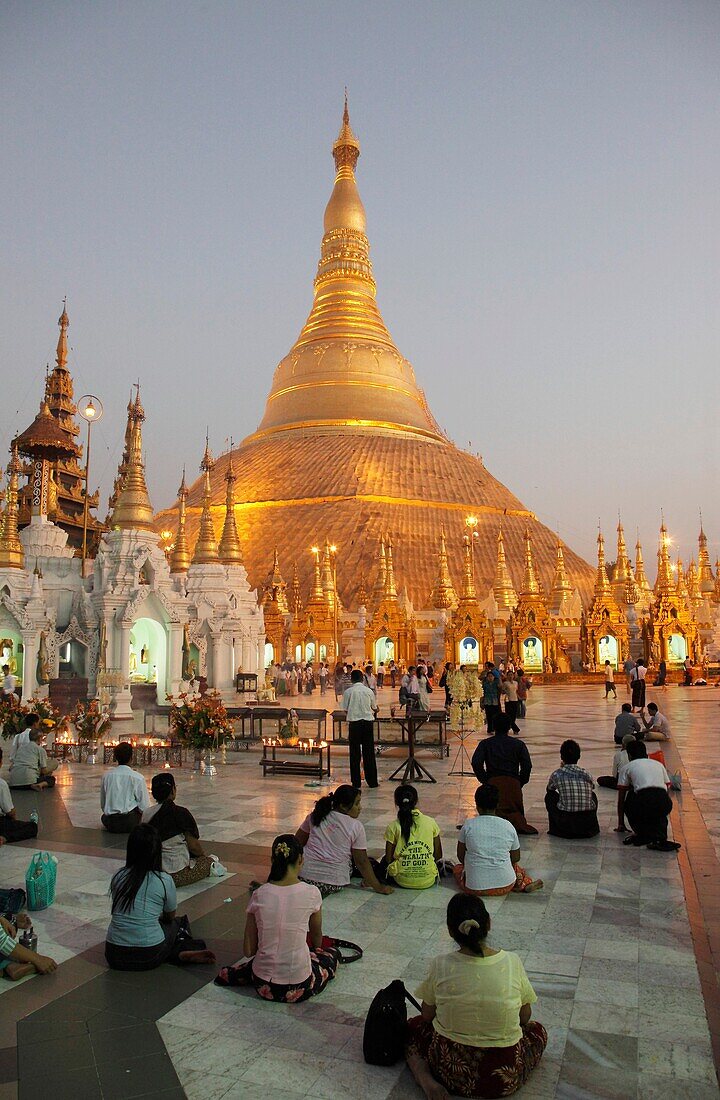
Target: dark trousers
<point x="607" y="781"/>
<point x="610" y="687"/>
<point x="49" y="779"/>
<point x="177" y="938"/>
<point x="492" y="710"/>
<point x="511" y="710"/>
<point x="122" y="823"/>
<point x="13" y="830"/>
<point x="637" y="688"/>
<point x="647" y="811"/>
<point x="577" y="825"/>
<point x="361" y="737"/>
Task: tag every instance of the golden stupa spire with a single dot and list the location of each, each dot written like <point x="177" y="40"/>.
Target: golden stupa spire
<point x="443" y="595"/>
<point x="229" y="550"/>
<point x="706" y="581"/>
<point x="11" y="550"/>
<point x="641" y="580"/>
<point x="467" y="591"/>
<point x="317" y="595"/>
<point x="664" y="583"/>
<point x="681" y="589"/>
<point x="344" y="368"/>
<point x="379" y="586"/>
<point x="531" y="586"/>
<point x="693" y="586"/>
<point x="390" y="592"/>
<point x="716" y="589"/>
<point x="561" y="587"/>
<point x="276" y="587"/>
<point x="602" y="584"/>
<point x="206" y="547"/>
<point x="61" y="354"/>
<point x="503" y="587"/>
<point x="180" y="556"/>
<point x="361" y="596"/>
<point x="327" y="575"/>
<point x="296" y="605"/>
<point x="133" y="510"/>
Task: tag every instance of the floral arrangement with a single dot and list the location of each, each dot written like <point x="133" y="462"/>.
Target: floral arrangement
<point x="466" y="690"/>
<point x="90" y="722"/>
<point x="13" y="718"/>
<point x="199" y="720"/>
<point x="288" y="732"/>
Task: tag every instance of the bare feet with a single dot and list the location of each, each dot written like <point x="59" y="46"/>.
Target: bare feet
<point x="536" y="884"/>
<point x="15" y="971"/>
<point x="197" y="957"/>
<point x="421" y="1072"/>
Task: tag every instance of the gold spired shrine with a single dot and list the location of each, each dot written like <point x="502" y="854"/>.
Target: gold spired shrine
<point x="348" y="448"/>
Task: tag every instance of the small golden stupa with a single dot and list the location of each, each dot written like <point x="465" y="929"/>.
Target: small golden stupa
<point x="349" y="449"/>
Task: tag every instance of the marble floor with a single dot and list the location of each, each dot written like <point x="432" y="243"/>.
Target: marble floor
<point x="622" y="945"/>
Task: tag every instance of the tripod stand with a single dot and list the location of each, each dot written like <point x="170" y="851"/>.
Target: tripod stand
<point x="462" y="756"/>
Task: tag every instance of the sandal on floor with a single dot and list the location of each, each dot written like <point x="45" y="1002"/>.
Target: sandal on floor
<point x="536" y="884"/>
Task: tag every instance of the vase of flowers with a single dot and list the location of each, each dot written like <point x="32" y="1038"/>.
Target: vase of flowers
<point x="13" y="717"/>
<point x="200" y="722"/>
<point x="90" y="724"/>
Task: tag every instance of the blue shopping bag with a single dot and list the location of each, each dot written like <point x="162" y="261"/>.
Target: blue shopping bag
<point x="40" y="880"/>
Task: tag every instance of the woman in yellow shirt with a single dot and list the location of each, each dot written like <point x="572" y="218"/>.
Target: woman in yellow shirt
<point x="475" y="1036"/>
<point x="412" y="843"/>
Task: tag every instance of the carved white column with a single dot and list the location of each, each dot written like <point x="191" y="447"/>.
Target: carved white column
<point x="121" y="650"/>
<point x="174" y="659"/>
<point x="31" y="641"/>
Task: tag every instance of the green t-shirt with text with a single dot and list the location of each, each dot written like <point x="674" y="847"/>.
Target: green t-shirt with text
<point x="413" y="865"/>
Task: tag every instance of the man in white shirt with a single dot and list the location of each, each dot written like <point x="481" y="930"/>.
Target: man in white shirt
<point x="10" y="828"/>
<point x="643" y="798"/>
<point x="359" y="703"/>
<point x="658" y="727"/>
<point x="31" y="769"/>
<point x="123" y="794"/>
<point x="637" y="685"/>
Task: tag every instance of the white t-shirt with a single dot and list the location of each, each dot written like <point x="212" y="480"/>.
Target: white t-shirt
<point x="609" y="678"/>
<point x="6" y="802"/>
<point x="641" y="774"/>
<point x="638" y="673"/>
<point x="19" y="739"/>
<point x="9" y="684"/>
<point x="660" y="724"/>
<point x="328" y="850"/>
<point x="488" y="841"/>
<point x="30" y="759"/>
<point x="282" y="914"/>
<point x="123" y="790"/>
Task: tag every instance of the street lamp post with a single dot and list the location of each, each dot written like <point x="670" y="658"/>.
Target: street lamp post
<point x="91" y="410"/>
<point x="471" y="522"/>
<point x="333" y="558"/>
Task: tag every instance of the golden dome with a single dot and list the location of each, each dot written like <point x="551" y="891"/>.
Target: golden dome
<point x="348" y="448"/>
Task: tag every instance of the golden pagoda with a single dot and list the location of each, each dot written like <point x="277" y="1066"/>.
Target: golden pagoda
<point x="669" y="633"/>
<point x="607" y="636"/>
<point x="643" y="591"/>
<point x="275" y="611"/>
<point x="348" y="444"/>
<point x="11" y="551"/>
<point x="312" y="636"/>
<point x="706" y="581"/>
<point x="530" y="630"/>
<point x="716" y="590"/>
<point x="206" y="547"/>
<point x="180" y="556"/>
<point x="229" y="550"/>
<point x="561" y="590"/>
<point x="503" y="588"/>
<point x="133" y="510"/>
<point x="274" y="586"/>
<point x="66" y="480"/>
<point x="389" y="630"/>
<point x="443" y="595"/>
<point x="622" y="580"/>
<point x="468" y="634"/>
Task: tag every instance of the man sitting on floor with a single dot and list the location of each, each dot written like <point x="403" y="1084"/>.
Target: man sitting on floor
<point x="32" y="769"/>
<point x="658" y="727"/>
<point x="123" y="794"/>
<point x="505" y="762"/>
<point x="643" y="798"/>
<point x="570" y="799"/>
<point x="619" y="759"/>
<point x="10" y="828"/>
<point x="625" y="723"/>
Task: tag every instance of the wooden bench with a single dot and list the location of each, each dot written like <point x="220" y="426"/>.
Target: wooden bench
<point x="314" y="762"/>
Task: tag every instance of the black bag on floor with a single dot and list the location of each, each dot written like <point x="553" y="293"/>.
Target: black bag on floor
<point x="12" y="902"/>
<point x="385" y="1032"/>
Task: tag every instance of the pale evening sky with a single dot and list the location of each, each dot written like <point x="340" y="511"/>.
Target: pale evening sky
<point x="541" y="184"/>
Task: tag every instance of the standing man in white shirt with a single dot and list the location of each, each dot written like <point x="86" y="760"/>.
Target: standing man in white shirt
<point x="359" y="703"/>
<point x="610" y="681"/>
<point x="123" y="793"/>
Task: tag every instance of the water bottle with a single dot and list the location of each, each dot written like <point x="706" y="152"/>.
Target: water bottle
<point x="35" y="817"/>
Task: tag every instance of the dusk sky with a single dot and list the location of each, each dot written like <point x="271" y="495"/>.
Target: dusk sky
<point x="541" y="186"/>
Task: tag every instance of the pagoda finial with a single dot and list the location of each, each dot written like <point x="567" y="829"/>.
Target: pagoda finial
<point x="641" y="580"/>
<point x="706" y="581"/>
<point x="379" y="586"/>
<point x="503" y="587"/>
<point x="561" y="589"/>
<point x="317" y="594"/>
<point x="296" y="607"/>
<point x="664" y="583"/>
<point x="346" y="149"/>
<point x="180" y="556"/>
<point x="602" y="584"/>
<point x="443" y="595"/>
<point x="206" y="547"/>
<point x="275" y="586"/>
<point x="390" y="586"/>
<point x="467" y="592"/>
<point x="11" y="551"/>
<point x="361" y="595"/>
<point x="133" y="510"/>
<point x="61" y="355"/>
<point x="530" y="586"/>
<point x="327" y="575"/>
<point x="230" y="551"/>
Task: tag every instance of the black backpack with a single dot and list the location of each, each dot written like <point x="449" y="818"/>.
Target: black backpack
<point x="385" y="1032"/>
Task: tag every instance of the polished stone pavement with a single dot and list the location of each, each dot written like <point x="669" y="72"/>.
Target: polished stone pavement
<point x="621" y="945"/>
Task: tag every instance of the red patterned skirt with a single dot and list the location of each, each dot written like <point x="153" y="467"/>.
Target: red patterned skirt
<point x="477" y="1071"/>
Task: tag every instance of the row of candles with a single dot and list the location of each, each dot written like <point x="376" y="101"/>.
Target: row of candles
<point x="304" y="745"/>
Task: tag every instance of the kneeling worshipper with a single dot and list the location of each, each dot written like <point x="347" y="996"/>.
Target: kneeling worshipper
<point x="183" y="856"/>
<point x="505" y="762"/>
<point x="489" y="852"/>
<point x="412" y="844"/>
<point x="620" y="757"/>
<point x="475" y="1035"/>
<point x="643" y="798"/>
<point x="570" y="799"/>
<point x="123" y="794"/>
<point x="283" y="914"/>
<point x="10" y="828"/>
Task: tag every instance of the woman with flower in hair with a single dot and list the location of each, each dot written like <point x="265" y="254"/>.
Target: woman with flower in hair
<point x="474" y="1036"/>
<point x="283" y="914"/>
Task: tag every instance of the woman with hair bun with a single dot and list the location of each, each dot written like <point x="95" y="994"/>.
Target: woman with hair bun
<point x="412" y="843"/>
<point x="489" y="852"/>
<point x="474" y="1036"/>
<point x="282" y="915"/>
<point x="333" y="840"/>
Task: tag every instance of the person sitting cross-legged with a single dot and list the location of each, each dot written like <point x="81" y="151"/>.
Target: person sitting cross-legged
<point x="570" y="799"/>
<point x="657" y="727"/>
<point x="183" y="856"/>
<point x="643" y="798"/>
<point x="625" y="723"/>
<point x="475" y="1035"/>
<point x="489" y="852"/>
<point x="505" y="762"/>
<point x="283" y="913"/>
<point x="413" y="847"/>
<point x="123" y="794"/>
<point x="10" y="828"/>
<point x="32" y="769"/>
<point x="16" y="961"/>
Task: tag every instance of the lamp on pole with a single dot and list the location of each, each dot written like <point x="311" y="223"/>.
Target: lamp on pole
<point x="91" y="410"/>
<point x="333" y="559"/>
<point x="471" y="522"/>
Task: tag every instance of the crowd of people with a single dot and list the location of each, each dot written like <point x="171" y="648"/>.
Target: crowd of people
<point x="474" y="1034"/>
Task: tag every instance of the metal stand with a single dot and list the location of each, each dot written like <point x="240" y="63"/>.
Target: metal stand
<point x="412" y="770"/>
<point x="462" y="756"/>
